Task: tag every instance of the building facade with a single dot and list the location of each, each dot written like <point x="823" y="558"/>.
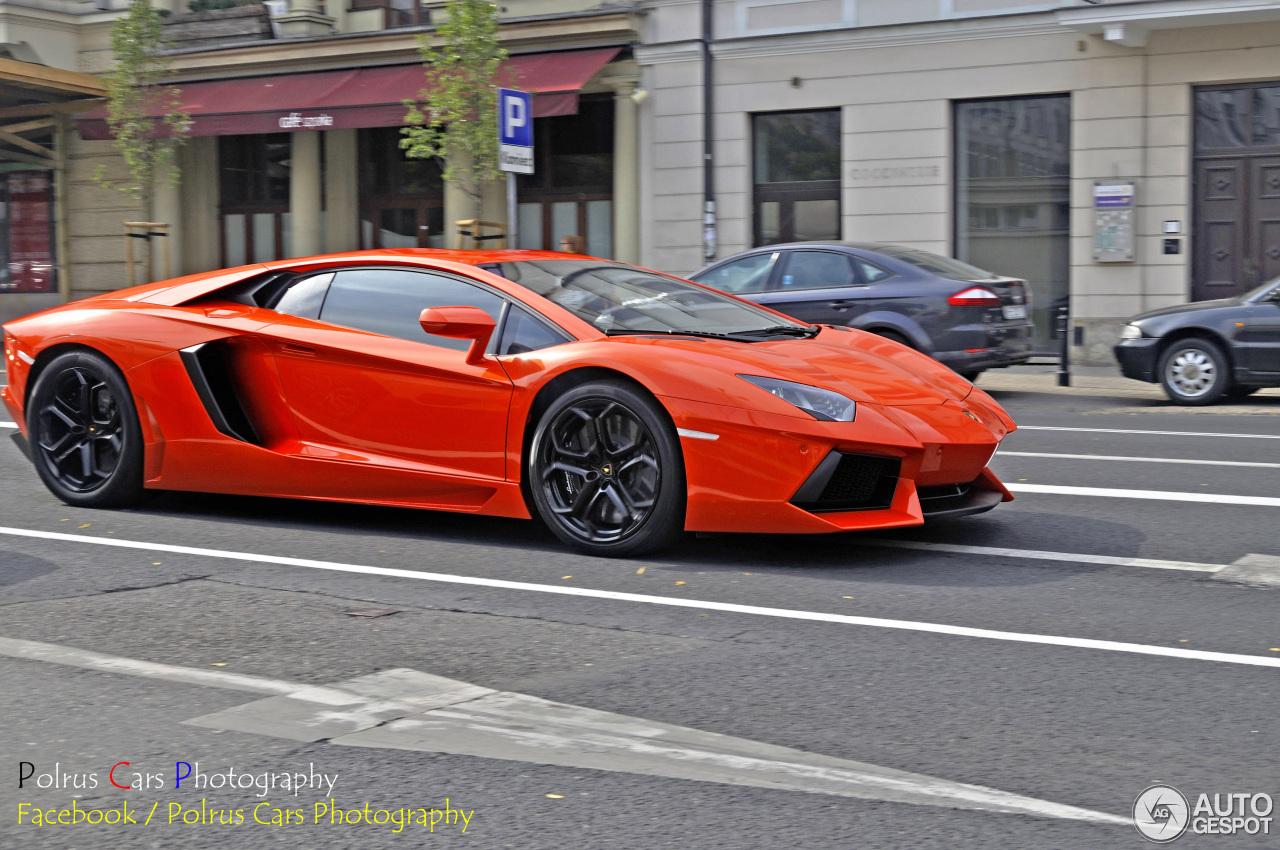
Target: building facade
<point x="1118" y="155"/>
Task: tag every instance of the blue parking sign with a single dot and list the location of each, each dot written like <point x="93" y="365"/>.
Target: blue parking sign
<point x="515" y="131"/>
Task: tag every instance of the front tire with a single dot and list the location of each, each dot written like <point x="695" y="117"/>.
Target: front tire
<point x="85" y="439"/>
<point x="1195" y="372"/>
<point x="606" y="472"/>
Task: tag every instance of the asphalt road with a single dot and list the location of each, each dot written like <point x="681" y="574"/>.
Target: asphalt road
<point x="1066" y="696"/>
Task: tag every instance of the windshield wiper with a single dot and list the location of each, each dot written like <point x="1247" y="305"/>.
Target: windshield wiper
<point x="781" y="330"/>
<point x="668" y="332"/>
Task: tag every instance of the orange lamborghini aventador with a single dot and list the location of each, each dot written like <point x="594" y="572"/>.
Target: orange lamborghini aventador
<point x="619" y="405"/>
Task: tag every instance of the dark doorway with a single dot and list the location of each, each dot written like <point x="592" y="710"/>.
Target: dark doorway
<point x="1237" y="189"/>
<point x="401" y="199"/>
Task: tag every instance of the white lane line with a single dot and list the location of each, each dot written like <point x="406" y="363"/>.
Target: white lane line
<point x="1160" y="433"/>
<point x="1143" y="459"/>
<point x="728" y="607"/>
<point x="8" y="424"/>
<point x="1158" y="495"/>
<point x="1041" y="555"/>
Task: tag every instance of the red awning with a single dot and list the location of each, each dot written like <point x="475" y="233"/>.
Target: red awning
<point x="358" y="97"/>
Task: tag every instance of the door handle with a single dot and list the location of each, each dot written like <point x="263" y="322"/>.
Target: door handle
<point x="295" y="348"/>
<point x="840" y="305"/>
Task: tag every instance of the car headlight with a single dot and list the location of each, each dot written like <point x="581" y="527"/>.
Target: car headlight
<point x="1131" y="332"/>
<point x="815" y="401"/>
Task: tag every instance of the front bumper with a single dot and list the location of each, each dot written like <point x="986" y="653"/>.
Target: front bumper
<point x="755" y="472"/>
<point x="1137" y="358"/>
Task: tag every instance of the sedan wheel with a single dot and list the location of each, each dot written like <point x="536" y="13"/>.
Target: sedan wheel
<point x="606" y="472"/>
<point x="85" y="438"/>
<point x="1194" y="372"/>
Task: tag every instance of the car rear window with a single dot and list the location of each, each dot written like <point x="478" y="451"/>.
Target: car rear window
<point x="941" y="266"/>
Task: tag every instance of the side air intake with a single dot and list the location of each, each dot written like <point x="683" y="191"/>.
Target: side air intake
<point x="208" y="372"/>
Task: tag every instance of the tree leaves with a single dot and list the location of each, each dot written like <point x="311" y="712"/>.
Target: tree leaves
<point x="457" y="113"/>
<point x="137" y="92"/>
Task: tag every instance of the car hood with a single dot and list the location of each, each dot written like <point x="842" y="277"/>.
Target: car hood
<point x="862" y="366"/>
<point x="1193" y="307"/>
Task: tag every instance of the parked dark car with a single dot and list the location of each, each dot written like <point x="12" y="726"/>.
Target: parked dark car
<point x="967" y="318"/>
<point x="1207" y="350"/>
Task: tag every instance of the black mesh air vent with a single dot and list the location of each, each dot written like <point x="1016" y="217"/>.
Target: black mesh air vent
<point x="849" y="482"/>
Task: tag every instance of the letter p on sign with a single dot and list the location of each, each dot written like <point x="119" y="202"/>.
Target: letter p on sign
<point x="515" y="131"/>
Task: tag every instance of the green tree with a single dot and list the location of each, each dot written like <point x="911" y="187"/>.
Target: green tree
<point x="457" y="113"/>
<point x="143" y="112"/>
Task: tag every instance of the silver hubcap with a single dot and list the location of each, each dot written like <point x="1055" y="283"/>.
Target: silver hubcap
<point x="1191" y="372"/>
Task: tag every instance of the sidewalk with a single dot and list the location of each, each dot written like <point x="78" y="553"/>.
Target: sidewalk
<point x="1104" y="381"/>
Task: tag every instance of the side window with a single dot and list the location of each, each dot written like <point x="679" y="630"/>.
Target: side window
<point x="304" y="297"/>
<point x="749" y="274"/>
<point x="389" y="301"/>
<point x="523" y="333"/>
<point x="816" y="270"/>
<point x="870" y="273"/>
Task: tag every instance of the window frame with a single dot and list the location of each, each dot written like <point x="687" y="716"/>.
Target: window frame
<point x="788" y="193"/>
<point x="781" y="269"/>
<point x="508" y="302"/>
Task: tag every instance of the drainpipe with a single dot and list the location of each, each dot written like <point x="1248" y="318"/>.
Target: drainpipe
<point x="708" y="139"/>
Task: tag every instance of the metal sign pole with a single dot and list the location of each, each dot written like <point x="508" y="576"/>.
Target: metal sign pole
<point x="513" y="233"/>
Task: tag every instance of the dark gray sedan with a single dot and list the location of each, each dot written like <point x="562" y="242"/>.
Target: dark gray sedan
<point x="970" y="319"/>
<point x="1203" y="351"/>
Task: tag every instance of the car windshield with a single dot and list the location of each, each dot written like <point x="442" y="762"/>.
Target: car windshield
<point x="939" y="265"/>
<point x="1260" y="293"/>
<point x="618" y="298"/>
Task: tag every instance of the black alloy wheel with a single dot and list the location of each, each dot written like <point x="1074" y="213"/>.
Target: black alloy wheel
<point x="606" y="472"/>
<point x="85" y="439"/>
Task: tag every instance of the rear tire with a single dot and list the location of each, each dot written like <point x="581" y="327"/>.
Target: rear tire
<point x="86" y="443"/>
<point x="1194" y="372"/>
<point x="606" y="472"/>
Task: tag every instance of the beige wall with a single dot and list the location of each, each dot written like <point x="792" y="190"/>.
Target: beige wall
<point x="97" y="217"/>
<point x="896" y="86"/>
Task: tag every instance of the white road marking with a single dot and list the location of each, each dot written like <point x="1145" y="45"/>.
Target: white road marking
<point x="697" y="435"/>
<point x="1143" y="459"/>
<point x="1158" y="495"/>
<point x="1160" y="433"/>
<point x="1041" y="555"/>
<point x="676" y="602"/>
<point x="8" y="424"/>
<point x="406" y="709"/>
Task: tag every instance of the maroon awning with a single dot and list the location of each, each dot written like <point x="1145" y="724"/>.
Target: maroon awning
<point x="358" y="97"/>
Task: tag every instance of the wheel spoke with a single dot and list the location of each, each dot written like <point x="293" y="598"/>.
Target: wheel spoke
<point x="561" y="466"/>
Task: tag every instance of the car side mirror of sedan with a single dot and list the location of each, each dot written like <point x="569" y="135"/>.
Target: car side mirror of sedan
<point x="461" y="323"/>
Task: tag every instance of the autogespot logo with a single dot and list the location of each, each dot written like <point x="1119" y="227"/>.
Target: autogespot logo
<point x="1161" y="813"/>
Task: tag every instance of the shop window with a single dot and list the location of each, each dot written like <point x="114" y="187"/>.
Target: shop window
<point x="401" y="199"/>
<point x="26" y="232"/>
<point x="796" y="171"/>
<point x="570" y="192"/>
<point x="1012" y="195"/>
<point x="253" y="190"/>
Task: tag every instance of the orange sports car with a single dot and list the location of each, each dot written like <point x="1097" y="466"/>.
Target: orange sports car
<point x="621" y="406"/>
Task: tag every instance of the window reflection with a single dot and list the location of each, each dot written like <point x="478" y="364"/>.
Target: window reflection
<point x="1013" y="162"/>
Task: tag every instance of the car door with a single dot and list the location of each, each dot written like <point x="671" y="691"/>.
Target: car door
<point x="365" y="383"/>
<point x="1258" y="341"/>
<point x="815" y="286"/>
